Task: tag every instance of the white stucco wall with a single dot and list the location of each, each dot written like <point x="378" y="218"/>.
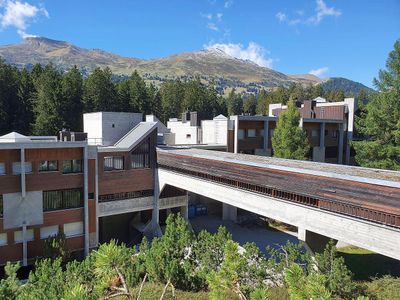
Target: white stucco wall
<point x="184" y="133"/>
<point x="215" y="131"/>
<point x="106" y="128"/>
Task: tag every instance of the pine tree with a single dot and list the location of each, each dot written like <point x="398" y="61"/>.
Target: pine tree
<point x="171" y="99"/>
<point x="250" y="105"/>
<point x="380" y="120"/>
<point x="8" y="97"/>
<point x="289" y="140"/>
<point x="235" y="103"/>
<point x="263" y="103"/>
<point x="72" y="93"/>
<point x="26" y="93"/>
<point x="99" y="91"/>
<point x="124" y="96"/>
<point x="48" y="103"/>
<point x="139" y="100"/>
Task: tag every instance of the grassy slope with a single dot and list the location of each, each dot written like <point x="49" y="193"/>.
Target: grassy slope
<point x="366" y="264"/>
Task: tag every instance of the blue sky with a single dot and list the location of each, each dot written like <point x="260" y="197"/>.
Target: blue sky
<point x="344" y="38"/>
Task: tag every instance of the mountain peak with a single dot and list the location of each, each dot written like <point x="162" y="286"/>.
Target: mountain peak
<point x="36" y="40"/>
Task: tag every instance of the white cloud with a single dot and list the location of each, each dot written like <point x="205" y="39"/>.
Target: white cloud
<point x="322" y="11"/>
<point x="228" y="3"/>
<point x="207" y="16"/>
<point x="319" y="72"/>
<point x="17" y="14"/>
<point x="219" y="16"/>
<point x="253" y="52"/>
<point x="281" y="16"/>
<point x="298" y="16"/>
<point x="212" y="26"/>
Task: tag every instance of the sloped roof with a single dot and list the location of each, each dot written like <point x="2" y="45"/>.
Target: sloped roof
<point x="14" y="137"/>
<point x="220" y="117"/>
<point x="135" y="136"/>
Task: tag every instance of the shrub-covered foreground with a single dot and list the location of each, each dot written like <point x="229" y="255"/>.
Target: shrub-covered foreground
<point x="185" y="266"/>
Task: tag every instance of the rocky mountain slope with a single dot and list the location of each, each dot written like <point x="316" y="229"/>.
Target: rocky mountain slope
<point x="212" y="66"/>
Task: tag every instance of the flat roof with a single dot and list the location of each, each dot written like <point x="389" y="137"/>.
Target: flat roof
<point x="360" y="174"/>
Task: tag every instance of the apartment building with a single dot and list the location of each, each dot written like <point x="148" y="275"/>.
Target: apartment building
<point x="329" y="127"/>
<point x="192" y="130"/>
<point x="94" y="187"/>
<point x="45" y="186"/>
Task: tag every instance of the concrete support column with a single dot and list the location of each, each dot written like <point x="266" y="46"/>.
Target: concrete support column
<point x="236" y="134"/>
<point x="340" y="148"/>
<point x="155" y="214"/>
<point x="23" y="196"/>
<point x="314" y="241"/>
<point x="24" y="247"/>
<point x="96" y="191"/>
<point x="266" y="134"/>
<point x="319" y="152"/>
<point x="185" y="209"/>
<point x="229" y="212"/>
<point x="348" y="145"/>
<point x="86" y="198"/>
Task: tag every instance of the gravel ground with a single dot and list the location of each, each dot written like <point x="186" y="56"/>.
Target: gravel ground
<point x="242" y="234"/>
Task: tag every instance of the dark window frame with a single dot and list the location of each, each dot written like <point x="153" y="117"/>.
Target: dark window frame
<point x="115" y="163"/>
<point x="71" y="165"/>
<point x="47" y="164"/>
<point x="140" y="157"/>
<point x="62" y="199"/>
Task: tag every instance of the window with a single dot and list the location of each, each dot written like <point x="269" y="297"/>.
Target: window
<point x="48" y="165"/>
<point x="73" y="229"/>
<point x="62" y="199"/>
<point x="240" y="134"/>
<point x="113" y="163"/>
<point x="1" y="206"/>
<point x="314" y="133"/>
<point x="251" y="133"/>
<point x="72" y="166"/>
<point x="2" y="169"/>
<point x="47" y="231"/>
<point x="326" y="132"/>
<point x="140" y="157"/>
<point x="16" y="167"/>
<point x="334" y="134"/>
<point x="3" y="239"/>
<point x="28" y="236"/>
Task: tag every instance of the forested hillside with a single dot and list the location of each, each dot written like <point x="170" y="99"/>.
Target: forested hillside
<point x="43" y="100"/>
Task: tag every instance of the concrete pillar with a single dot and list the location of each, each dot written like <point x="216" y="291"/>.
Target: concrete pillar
<point x="184" y="212"/>
<point x="348" y="146"/>
<point x="314" y="241"/>
<point x="23" y="177"/>
<point x="96" y="191"/>
<point x="155" y="213"/>
<point x="229" y="212"/>
<point x="340" y="147"/>
<point x="236" y="134"/>
<point x="86" y="198"/>
<point x="266" y="134"/>
<point x="319" y="154"/>
<point x="24" y="246"/>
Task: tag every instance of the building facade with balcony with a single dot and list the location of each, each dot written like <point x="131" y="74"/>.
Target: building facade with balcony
<point x="91" y="189"/>
<point x="329" y="128"/>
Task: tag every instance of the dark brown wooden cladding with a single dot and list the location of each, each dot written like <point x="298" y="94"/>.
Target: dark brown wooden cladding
<point x="53" y="154"/>
<point x="126" y="181"/>
<point x="366" y="195"/>
<point x="53" y="181"/>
